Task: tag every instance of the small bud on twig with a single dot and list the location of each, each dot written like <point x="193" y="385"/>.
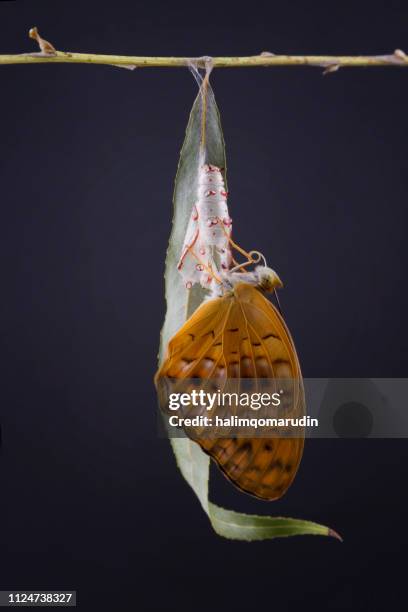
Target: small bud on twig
<point x="331" y="68"/>
<point x="401" y="55"/>
<point x="46" y="48"/>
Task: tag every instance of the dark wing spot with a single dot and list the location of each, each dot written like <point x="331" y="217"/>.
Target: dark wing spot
<point x="187" y="361"/>
<point x="246" y="447"/>
<point x="209" y="333"/>
<point x="233" y="329"/>
<point x="270" y="336"/>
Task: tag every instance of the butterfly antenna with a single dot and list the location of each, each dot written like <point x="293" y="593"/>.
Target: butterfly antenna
<point x="278" y="302"/>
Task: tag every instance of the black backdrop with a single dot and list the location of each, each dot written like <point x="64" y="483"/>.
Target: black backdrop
<point x="90" y="497"/>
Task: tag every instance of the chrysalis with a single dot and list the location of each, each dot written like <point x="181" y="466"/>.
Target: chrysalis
<point x="206" y="246"/>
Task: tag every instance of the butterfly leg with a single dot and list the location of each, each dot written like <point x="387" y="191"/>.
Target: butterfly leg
<point x="208" y="269"/>
<point x="253" y="257"/>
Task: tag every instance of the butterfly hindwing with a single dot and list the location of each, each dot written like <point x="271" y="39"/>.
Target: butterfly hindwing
<point x="242" y="336"/>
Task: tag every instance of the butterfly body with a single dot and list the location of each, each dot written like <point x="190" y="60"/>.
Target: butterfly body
<point x="241" y="335"/>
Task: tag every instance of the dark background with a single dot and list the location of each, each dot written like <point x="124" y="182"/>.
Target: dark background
<point x="91" y="499"/>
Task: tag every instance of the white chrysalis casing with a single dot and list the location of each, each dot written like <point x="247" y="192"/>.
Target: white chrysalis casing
<point x="206" y="245"/>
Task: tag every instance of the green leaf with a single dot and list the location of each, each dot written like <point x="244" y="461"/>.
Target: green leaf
<point x="193" y="463"/>
<point x="251" y="527"/>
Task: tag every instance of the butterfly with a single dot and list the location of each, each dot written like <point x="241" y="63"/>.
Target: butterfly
<point x="239" y="335"/>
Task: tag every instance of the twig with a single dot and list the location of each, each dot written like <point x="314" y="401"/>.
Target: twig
<point x="330" y="63"/>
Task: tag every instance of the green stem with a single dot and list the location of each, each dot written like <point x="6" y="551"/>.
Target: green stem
<point x="329" y="62"/>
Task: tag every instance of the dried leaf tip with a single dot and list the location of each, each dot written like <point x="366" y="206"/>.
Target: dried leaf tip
<point x="46" y="48"/>
<point x="126" y="66"/>
<point x="331" y="68"/>
<point x="334" y="534"/>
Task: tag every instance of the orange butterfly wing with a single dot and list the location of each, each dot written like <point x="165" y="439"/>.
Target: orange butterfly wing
<point x="242" y="335"/>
